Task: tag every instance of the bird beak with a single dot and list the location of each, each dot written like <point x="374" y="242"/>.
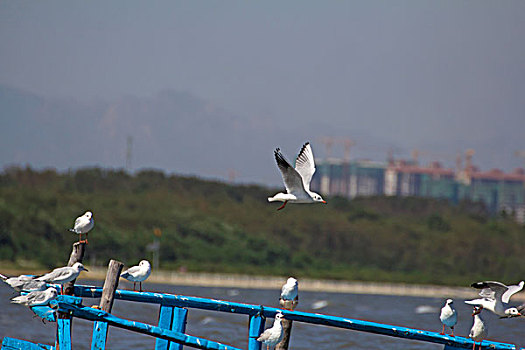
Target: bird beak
<point x="324" y="202"/>
<point x="86" y="269"/>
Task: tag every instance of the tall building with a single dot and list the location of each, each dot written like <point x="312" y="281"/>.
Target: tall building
<point x="498" y="191"/>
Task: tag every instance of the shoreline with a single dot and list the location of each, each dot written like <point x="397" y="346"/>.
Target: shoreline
<point x="306" y="284"/>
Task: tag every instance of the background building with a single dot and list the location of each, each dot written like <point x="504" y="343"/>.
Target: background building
<point x="498" y="191"/>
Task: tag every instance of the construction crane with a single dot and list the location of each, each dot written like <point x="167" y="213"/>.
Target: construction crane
<point x="329" y="141"/>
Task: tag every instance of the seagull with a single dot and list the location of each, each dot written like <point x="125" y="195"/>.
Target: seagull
<point x="62" y="275"/>
<point x="137" y="273"/>
<point x="479" y="330"/>
<point x="495" y="296"/>
<point x="36" y="298"/>
<point x="297" y="181"/>
<point x="83" y="224"/>
<point x="289" y="294"/>
<point x="448" y="316"/>
<point x="24" y="282"/>
<point x="272" y="336"/>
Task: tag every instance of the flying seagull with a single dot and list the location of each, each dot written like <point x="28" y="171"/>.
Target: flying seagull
<point x="137" y="273"/>
<point x="272" y="336"/>
<point x="448" y="316"/>
<point x="495" y="297"/>
<point x="297" y="180"/>
<point x="83" y="224"/>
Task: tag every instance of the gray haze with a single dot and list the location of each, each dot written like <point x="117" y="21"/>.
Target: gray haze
<point x="206" y="87"/>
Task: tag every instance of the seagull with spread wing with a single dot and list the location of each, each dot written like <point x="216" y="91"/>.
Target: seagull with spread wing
<point x="495" y="297"/>
<point x="297" y="180"/>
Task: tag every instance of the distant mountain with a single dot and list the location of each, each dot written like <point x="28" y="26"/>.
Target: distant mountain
<point x="172" y="130"/>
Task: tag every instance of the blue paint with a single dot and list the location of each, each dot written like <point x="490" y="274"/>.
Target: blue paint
<point x="165" y="319"/>
<point x="63" y="333"/>
<point x="180" y="316"/>
<point x="139" y="327"/>
<point x="326" y="320"/>
<point x="17" y="344"/>
<point x="255" y="329"/>
<point x="100" y="333"/>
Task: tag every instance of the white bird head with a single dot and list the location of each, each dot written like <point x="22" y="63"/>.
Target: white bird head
<point x="477" y="309"/>
<point x="317" y="197"/>
<point x="512" y="312"/>
<point x="144" y="263"/>
<point x="52" y="291"/>
<point x="291" y="280"/>
<point x="279" y="316"/>
<point x="449" y="301"/>
<point x="88" y="214"/>
<point x="79" y="267"/>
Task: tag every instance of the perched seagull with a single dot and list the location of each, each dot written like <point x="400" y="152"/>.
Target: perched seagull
<point x="83" y="224"/>
<point x="137" y="273"/>
<point x="479" y="331"/>
<point x="24" y="282"/>
<point x="36" y="298"/>
<point x="495" y="296"/>
<point x="448" y="316"/>
<point x="62" y="275"/>
<point x="272" y="336"/>
<point x="289" y="294"/>
<point x="297" y="181"/>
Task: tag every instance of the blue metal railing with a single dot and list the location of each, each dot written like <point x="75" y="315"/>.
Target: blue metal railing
<point x="172" y="320"/>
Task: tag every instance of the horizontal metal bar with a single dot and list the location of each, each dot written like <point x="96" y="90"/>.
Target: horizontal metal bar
<point x="18" y="344"/>
<point x="139" y="327"/>
<point x="327" y="320"/>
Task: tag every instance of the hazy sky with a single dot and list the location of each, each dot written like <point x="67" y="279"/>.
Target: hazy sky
<point x="442" y="76"/>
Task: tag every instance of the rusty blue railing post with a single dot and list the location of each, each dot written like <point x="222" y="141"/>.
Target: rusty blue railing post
<point x="171" y="318"/>
<point x="165" y="321"/>
<point x="100" y="333"/>
<point x="178" y="324"/>
<point x="256" y="328"/>
<point x="63" y="339"/>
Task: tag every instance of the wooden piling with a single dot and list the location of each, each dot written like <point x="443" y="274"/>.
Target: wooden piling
<point x="100" y="328"/>
<point x="110" y="285"/>
<point x="77" y="255"/>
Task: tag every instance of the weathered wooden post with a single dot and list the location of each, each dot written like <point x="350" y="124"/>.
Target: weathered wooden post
<point x="287" y="326"/>
<point x="77" y="255"/>
<point x="100" y="329"/>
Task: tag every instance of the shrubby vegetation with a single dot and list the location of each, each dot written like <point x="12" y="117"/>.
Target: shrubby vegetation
<point x="216" y="227"/>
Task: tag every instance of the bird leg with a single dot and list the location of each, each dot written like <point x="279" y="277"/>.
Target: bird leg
<point x="134" y="286"/>
<point x="140" y="286"/>
<point x="80" y="239"/>
<point x="443" y="332"/>
<point x="282" y="206"/>
<point x="452" y="331"/>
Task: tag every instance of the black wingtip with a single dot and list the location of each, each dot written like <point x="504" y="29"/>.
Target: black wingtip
<point x="478" y="285"/>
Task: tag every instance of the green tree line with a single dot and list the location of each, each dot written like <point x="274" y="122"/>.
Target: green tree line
<point x="217" y="227"/>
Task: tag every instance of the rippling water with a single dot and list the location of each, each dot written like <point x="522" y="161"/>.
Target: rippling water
<point x="17" y="321"/>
